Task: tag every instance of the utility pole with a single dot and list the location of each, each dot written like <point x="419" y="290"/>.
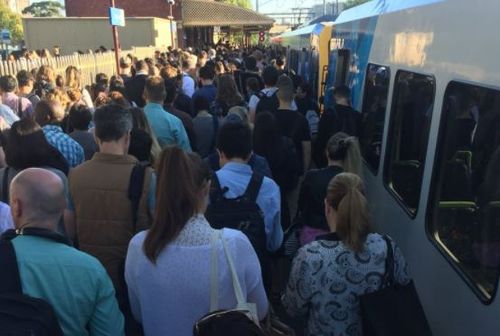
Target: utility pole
<point x="116" y="41"/>
<point x="257" y="6"/>
<point x="324" y="7"/>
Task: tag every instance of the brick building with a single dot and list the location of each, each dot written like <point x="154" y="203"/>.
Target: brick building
<point x="195" y="19"/>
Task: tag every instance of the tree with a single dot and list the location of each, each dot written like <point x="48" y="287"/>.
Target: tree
<point x="44" y="9"/>
<point x="241" y="3"/>
<point x="11" y="21"/>
<point x="353" y="3"/>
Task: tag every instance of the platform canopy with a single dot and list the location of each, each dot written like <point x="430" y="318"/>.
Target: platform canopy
<point x="205" y="13"/>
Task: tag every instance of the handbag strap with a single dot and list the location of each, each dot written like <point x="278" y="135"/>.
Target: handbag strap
<point x="388" y="279"/>
<point x="214" y="289"/>
<point x="236" y="283"/>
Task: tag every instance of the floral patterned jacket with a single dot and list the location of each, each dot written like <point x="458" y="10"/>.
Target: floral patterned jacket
<point x="327" y="279"/>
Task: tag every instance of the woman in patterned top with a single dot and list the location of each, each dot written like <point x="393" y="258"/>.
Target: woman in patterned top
<point x="329" y="274"/>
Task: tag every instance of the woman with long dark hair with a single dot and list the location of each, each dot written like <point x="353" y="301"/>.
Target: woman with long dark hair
<point x="227" y="96"/>
<point x="26" y="146"/>
<point x="168" y="268"/>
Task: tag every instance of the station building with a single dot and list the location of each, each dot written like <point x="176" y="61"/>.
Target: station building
<point x="194" y="21"/>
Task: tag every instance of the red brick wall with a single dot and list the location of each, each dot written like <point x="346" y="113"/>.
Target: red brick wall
<point x="133" y="8"/>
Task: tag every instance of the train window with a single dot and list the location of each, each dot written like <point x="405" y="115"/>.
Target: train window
<point x="464" y="212"/>
<point x="342" y="68"/>
<point x="374" y="109"/>
<point x="411" y="113"/>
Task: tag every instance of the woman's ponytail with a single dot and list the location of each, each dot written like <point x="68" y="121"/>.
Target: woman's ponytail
<point x="345" y="148"/>
<point x="346" y="195"/>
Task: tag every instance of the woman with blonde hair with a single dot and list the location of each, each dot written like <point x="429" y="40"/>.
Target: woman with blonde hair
<point x="330" y="274"/>
<point x="73" y="82"/>
<point x="343" y="155"/>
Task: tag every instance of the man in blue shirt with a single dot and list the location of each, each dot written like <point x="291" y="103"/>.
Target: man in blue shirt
<point x="208" y="89"/>
<point x="234" y="145"/>
<point x="49" y="115"/>
<point x="168" y="129"/>
<point x="75" y="284"/>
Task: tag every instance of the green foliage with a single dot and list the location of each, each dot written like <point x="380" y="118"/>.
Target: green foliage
<point x="240" y="3"/>
<point x="44" y="9"/>
<point x="11" y="21"/>
<point x="353" y="3"/>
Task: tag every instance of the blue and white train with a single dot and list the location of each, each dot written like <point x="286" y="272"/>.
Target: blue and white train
<point x="425" y="75"/>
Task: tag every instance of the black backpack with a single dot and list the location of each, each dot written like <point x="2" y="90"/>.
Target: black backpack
<point x="241" y="213"/>
<point x="266" y="103"/>
<point x="226" y="323"/>
<point x="22" y="315"/>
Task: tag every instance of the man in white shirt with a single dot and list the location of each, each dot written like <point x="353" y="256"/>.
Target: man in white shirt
<point x="188" y="67"/>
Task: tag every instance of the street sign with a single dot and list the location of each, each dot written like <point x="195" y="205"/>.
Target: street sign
<point x="116" y="17"/>
<point x="262" y="36"/>
<point x="6" y="36"/>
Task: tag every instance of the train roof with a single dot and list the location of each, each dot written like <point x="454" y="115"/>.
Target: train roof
<point x="315" y="29"/>
<point x="379" y="7"/>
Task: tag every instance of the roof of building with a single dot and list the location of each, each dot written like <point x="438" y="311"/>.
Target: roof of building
<point x="213" y="13"/>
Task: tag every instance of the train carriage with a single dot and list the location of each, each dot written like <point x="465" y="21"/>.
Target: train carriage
<point x="424" y="74"/>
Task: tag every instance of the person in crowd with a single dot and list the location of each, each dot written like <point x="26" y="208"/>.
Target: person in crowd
<point x="293" y="124"/>
<point x="25" y="147"/>
<point x="349" y="259"/>
<point x="49" y="115"/>
<point x="125" y="69"/>
<point x="227" y="96"/>
<point x="119" y="99"/>
<point x="8" y="117"/>
<point x="45" y="81"/>
<point x="180" y="239"/>
<point x="6" y="222"/>
<point x="135" y="86"/>
<point x="281" y="64"/>
<point x="188" y="66"/>
<point x="73" y="82"/>
<point x="241" y="113"/>
<point x="26" y="87"/>
<point x="72" y="282"/>
<point x="140" y="121"/>
<point x="167" y="127"/>
<point x="140" y="146"/>
<point x="117" y="84"/>
<point x="205" y="126"/>
<point x="267" y="95"/>
<point x="308" y="107"/>
<point x="20" y="105"/>
<point x="104" y="217"/>
<point x="169" y="106"/>
<point x="234" y="145"/>
<point x="342" y="118"/>
<point x="207" y="89"/>
<point x="281" y="155"/>
<point x="251" y="72"/>
<point x="253" y="88"/>
<point x="80" y="117"/>
<point x="343" y="155"/>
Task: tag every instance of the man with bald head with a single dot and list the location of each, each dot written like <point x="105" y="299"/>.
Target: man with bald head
<point x="74" y="283"/>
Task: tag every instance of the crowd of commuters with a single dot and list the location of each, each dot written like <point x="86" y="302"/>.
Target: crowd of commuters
<point x="126" y="195"/>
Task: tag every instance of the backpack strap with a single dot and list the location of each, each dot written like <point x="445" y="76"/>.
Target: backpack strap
<point x="10" y="282"/>
<point x="5" y="186"/>
<point x="253" y="187"/>
<point x="216" y="190"/>
<point x="19" y="107"/>
<point x="135" y="188"/>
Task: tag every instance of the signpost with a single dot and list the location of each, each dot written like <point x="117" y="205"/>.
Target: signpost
<point x="116" y="19"/>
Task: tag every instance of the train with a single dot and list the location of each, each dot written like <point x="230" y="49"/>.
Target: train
<point x="424" y="76"/>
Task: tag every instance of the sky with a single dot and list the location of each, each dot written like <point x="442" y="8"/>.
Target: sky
<point x="273" y="6"/>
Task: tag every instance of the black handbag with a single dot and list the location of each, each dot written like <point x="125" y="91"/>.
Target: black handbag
<point x="394" y="310"/>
